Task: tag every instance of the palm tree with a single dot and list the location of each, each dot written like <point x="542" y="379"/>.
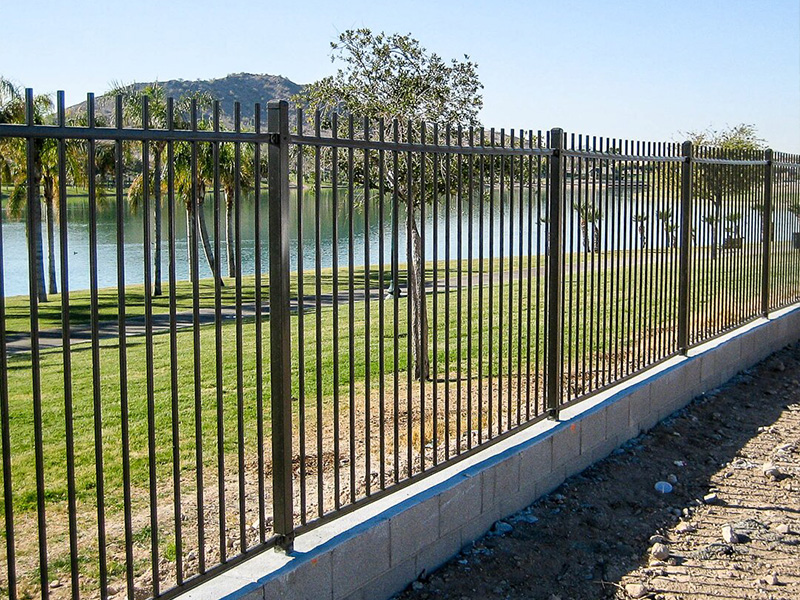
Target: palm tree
<point x="158" y="117"/>
<point x="641" y="227"/>
<point x="227" y="173"/>
<point x="589" y="215"/>
<point x="184" y="181"/>
<point x="13" y="158"/>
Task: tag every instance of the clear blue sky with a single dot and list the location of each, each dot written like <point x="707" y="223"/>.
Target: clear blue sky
<point x="639" y="69"/>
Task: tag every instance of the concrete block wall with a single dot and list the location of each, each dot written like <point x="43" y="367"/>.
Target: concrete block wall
<point x="380" y="549"/>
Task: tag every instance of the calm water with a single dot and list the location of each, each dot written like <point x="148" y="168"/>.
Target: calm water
<point x="15" y="260"/>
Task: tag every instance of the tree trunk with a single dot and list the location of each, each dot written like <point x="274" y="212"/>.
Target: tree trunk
<point x="33" y="225"/>
<point x="205" y="239"/>
<point x="585" y="233"/>
<point x="419" y="308"/>
<point x="191" y="244"/>
<point x="643" y="235"/>
<point x="157" y="236"/>
<point x="595" y="237"/>
<point x="715" y="226"/>
<point x="229" y="245"/>
<point x="49" y="204"/>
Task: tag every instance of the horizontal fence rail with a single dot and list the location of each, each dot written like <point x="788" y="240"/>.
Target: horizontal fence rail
<point x="212" y="341"/>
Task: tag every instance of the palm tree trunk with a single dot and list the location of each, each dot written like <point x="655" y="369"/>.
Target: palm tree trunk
<point x="157" y="240"/>
<point x="49" y="203"/>
<point x="715" y="226"/>
<point x="206" y="239"/>
<point x="229" y="244"/>
<point x="33" y="225"/>
<point x="419" y="309"/>
<point x="191" y="244"/>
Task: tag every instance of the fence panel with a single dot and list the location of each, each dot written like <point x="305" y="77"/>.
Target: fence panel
<point x="168" y="408"/>
<point x="785" y="240"/>
<point x="134" y="425"/>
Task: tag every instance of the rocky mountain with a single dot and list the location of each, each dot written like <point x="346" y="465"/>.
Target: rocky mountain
<point x="246" y="88"/>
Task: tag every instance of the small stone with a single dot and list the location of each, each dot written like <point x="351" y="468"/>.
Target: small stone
<point x="686" y="528"/>
<point x="659" y="551"/>
<point x="779" y="366"/>
<point x="711" y="498"/>
<point x="729" y="535"/>
<point x="771" y="471"/>
<point x="672" y="478"/>
<point x="679" y="463"/>
<point x="502" y="528"/>
<point x="416" y="586"/>
<point x="55" y="584"/>
<point x="771" y="579"/>
<point x="559" y="498"/>
<point x="782" y="528"/>
<point x="658" y="539"/>
<point x="636" y="590"/>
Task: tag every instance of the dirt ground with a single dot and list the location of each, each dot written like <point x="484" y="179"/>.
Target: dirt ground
<point x="730" y="528"/>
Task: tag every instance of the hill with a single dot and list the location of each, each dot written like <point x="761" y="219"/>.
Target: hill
<point x="246" y="88"/>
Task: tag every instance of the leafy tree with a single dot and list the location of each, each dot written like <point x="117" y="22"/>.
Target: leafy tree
<point x="716" y="182"/>
<point x="393" y="80"/>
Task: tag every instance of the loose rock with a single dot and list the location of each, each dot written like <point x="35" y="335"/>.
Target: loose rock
<point x="636" y="590"/>
<point x="783" y="528"/>
<point x="729" y="535"/>
<point x="686" y="528"/>
<point x="659" y="551"/>
<point x="711" y="498"/>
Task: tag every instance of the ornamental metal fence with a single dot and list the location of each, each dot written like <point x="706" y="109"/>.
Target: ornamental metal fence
<point x="394" y="296"/>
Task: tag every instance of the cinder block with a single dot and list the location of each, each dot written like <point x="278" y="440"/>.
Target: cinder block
<point x="536" y="462"/>
<point x="514" y="503"/>
<point x="507" y="477"/>
<point x="640" y="408"/>
<point x="593" y="430"/>
<point x="728" y="358"/>
<point x="460" y="503"/>
<point x="607" y="447"/>
<point x="577" y="464"/>
<point x="414" y="528"/>
<point x="360" y="559"/>
<point x="618" y="419"/>
<point x="550" y="482"/>
<point x="391" y="582"/>
<point x="435" y="555"/>
<point x="566" y="444"/>
<point x="310" y="579"/>
<point x="690" y="370"/>
<point x="479" y="526"/>
<point x="488" y="477"/>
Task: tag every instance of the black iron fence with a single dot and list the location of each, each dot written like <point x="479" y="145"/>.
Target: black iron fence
<point x="429" y="290"/>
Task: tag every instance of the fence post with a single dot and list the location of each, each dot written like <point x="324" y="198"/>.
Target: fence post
<point x="686" y="248"/>
<point x="555" y="260"/>
<point x="279" y="315"/>
<point x="766" y="235"/>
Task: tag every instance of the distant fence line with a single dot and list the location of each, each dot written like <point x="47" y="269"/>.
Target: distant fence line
<point x="496" y="278"/>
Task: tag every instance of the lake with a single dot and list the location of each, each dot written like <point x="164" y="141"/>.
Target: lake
<point x="622" y="206"/>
